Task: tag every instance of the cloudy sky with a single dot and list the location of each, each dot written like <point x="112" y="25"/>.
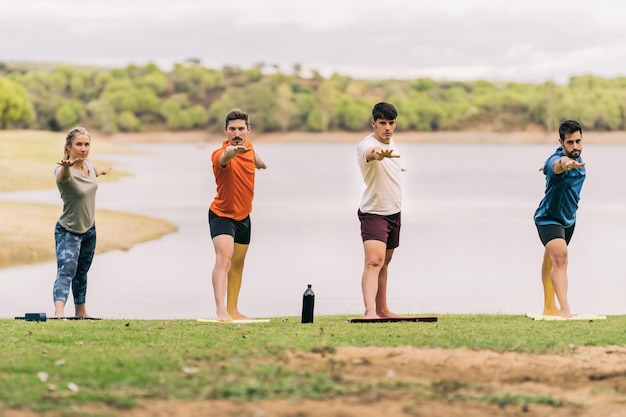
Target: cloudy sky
<point x="523" y="40"/>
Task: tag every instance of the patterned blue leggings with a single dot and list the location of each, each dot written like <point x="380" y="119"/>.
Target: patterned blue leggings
<point x="74" y="255"/>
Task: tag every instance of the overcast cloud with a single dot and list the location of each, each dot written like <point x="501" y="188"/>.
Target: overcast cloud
<point x="528" y="41"/>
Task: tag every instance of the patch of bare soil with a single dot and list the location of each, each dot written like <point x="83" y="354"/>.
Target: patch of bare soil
<point x="584" y="381"/>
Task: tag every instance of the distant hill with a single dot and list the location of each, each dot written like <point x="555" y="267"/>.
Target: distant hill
<point x="191" y="97"/>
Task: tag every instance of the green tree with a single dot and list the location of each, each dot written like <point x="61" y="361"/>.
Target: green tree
<point x="15" y="108"/>
<point x="287" y="107"/>
<point x="155" y="81"/>
<point x="171" y="111"/>
<point x="353" y="115"/>
<point x="128" y="122"/>
<point x="306" y="104"/>
<point x="103" y="114"/>
<point x="314" y="121"/>
<point x="69" y="113"/>
<point x="197" y="115"/>
<point x="219" y="108"/>
<point x="326" y="94"/>
<point x="147" y="100"/>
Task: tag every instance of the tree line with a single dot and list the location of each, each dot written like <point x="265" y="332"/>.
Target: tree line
<point x="191" y="96"/>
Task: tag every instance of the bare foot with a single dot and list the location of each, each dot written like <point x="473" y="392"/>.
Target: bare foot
<point x="565" y="311"/>
<point x="551" y="312"/>
<point x="370" y="315"/>
<point x="236" y="315"/>
<point x="389" y="314"/>
<point x="81" y="311"/>
<point x="223" y="317"/>
<point x="59" y="309"/>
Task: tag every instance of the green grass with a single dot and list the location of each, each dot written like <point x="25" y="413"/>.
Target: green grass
<point x="118" y="362"/>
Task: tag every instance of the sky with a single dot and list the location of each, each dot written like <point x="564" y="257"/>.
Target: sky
<point x="497" y="40"/>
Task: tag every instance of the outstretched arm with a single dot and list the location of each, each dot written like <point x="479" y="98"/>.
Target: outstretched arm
<point x="101" y="171"/>
<point x="377" y="153"/>
<point x="258" y="162"/>
<point x="64" y="173"/>
<point x="565" y="163"/>
<point x="232" y="151"/>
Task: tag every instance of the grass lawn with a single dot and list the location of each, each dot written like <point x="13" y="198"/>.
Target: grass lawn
<point x="48" y="366"/>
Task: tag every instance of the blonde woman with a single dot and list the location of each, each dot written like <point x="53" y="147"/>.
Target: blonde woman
<point x="75" y="232"/>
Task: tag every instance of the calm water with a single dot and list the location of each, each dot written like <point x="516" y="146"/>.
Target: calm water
<point x="468" y="243"/>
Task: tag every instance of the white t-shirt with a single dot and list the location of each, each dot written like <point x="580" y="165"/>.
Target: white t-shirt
<point x="383" y="190"/>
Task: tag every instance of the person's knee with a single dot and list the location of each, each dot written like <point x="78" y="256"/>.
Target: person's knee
<point x="237" y="264"/>
<point x="559" y="259"/>
<point x="222" y="261"/>
<point x="375" y="262"/>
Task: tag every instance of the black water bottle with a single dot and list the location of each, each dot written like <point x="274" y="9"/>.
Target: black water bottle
<point x="308" y="303"/>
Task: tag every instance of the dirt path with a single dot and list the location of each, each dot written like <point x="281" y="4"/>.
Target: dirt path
<point x="588" y="381"/>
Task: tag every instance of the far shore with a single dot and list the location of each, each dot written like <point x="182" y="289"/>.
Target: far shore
<point x="530" y="137"/>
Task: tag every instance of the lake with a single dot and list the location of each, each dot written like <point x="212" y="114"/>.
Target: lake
<point x="468" y="242"/>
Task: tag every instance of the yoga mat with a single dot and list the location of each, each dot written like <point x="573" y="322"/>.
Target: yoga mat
<point x="43" y="317"/>
<point x="587" y="317"/>
<point x="429" y="319"/>
<point x="235" y="321"/>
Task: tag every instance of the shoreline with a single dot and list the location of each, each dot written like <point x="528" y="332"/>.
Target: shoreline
<point x="530" y="137"/>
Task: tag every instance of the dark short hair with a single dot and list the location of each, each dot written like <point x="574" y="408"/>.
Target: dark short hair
<point x="568" y="127"/>
<point x="237" y="114"/>
<point x="384" y="110"/>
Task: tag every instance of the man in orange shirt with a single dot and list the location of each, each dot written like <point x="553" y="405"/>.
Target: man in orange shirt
<point x="229" y="213"/>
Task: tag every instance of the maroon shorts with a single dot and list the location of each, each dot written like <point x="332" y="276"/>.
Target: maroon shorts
<point x="383" y="228"/>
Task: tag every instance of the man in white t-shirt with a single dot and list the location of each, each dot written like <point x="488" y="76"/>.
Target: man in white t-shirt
<point x="379" y="212"/>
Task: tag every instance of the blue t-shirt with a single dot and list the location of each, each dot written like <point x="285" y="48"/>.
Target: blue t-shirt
<point x="560" y="202"/>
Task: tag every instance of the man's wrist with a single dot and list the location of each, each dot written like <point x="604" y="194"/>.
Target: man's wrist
<point x="564" y="165"/>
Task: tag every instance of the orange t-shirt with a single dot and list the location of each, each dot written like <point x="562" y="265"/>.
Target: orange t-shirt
<point x="235" y="184"/>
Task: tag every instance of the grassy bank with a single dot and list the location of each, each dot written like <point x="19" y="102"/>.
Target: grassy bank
<point x="50" y="366"/>
<point x="27" y="160"/>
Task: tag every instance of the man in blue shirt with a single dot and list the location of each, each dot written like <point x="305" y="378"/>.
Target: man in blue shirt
<point x="555" y="217"/>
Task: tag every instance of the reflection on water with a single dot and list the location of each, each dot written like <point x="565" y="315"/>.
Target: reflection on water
<point x="468" y="243"/>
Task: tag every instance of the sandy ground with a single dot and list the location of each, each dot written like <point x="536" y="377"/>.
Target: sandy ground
<point x="583" y="381"/>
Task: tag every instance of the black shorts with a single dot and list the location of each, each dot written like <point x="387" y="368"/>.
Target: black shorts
<point x="548" y="232"/>
<point x="239" y="230"/>
<point x="383" y="228"/>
